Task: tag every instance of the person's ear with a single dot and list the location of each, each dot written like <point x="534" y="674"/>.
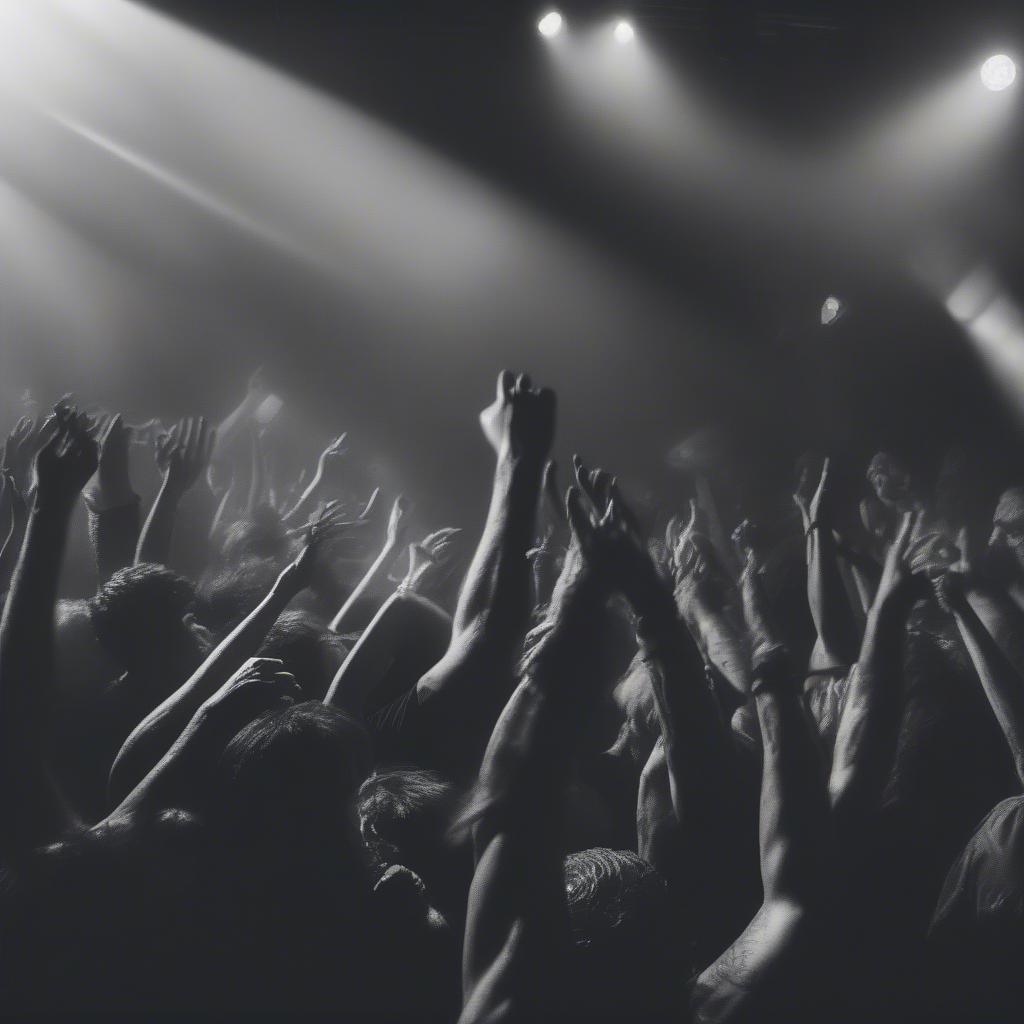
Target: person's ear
<point x="197" y="629"/>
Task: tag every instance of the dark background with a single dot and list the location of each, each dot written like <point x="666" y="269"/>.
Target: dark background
<point x="702" y="313"/>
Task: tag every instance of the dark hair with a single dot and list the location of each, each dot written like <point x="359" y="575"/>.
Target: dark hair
<point x="309" y="650"/>
<point x="138" y="612"/>
<point x="288" y="779"/>
<point x="622" y="932"/>
<point x="403" y="809"/>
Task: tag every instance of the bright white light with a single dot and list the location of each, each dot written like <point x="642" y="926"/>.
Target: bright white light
<point x="998" y="72"/>
<point x="830" y="310"/>
<point x="550" y="25"/>
<point x="624" y="32"/>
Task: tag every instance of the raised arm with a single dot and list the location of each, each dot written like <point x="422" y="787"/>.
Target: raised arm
<point x="182" y="456"/>
<point x="153" y="736"/>
<point x="16" y="532"/>
<point x="706" y="599"/>
<point x="517" y="928"/>
<point x="771" y="959"/>
<point x="868" y="730"/>
<point x="833" y="616"/>
<point x="493" y="609"/>
<point x="112" y="504"/>
<point x="374" y="577"/>
<point x="985" y="616"/>
<point x="179" y="777"/>
<point x="31" y="811"/>
<point x="327" y="469"/>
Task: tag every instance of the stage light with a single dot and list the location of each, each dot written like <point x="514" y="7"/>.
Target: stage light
<point x="624" y="32"/>
<point x="998" y="72"/>
<point x="550" y="25"/>
<point x="831" y="310"/>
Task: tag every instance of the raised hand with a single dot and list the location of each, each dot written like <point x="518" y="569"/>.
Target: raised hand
<point x="903" y="572"/>
<point x="398" y="521"/>
<point x="67" y="460"/>
<point x="184" y="454"/>
<point x="520" y="421"/>
<point x="260" y="685"/>
<point x="756" y="611"/>
<point x="431" y="561"/>
<point x="609" y="538"/>
<point x="332" y="458"/>
<point x="821" y="505"/>
<point x="25" y="441"/>
<point x="111" y="484"/>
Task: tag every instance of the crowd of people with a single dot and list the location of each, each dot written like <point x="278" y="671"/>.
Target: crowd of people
<point x="610" y="763"/>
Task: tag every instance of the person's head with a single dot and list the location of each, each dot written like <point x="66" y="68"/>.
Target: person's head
<point x="623" y="952"/>
<point x="286" y="785"/>
<point x="309" y="650"/>
<point x="83" y="667"/>
<point x="1008" y="525"/>
<point x="261" y="535"/>
<point x="144" y="619"/>
<point x="405" y="815"/>
<point x="890" y="481"/>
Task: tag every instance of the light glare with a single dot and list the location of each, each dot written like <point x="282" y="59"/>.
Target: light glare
<point x="624" y="32"/>
<point x="830" y="310"/>
<point x="998" y="72"/>
<point x="550" y="25"/>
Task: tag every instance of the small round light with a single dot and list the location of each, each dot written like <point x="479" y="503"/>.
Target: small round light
<point x="998" y="72"/>
<point x="831" y="309"/>
<point x="624" y="32"/>
<point x="550" y="25"/>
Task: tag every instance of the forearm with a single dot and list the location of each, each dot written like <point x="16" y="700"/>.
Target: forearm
<point x="497" y="584"/>
<point x="114" y="532"/>
<point x="305" y="499"/>
<point x="826" y="594"/>
<point x="794" y="809"/>
<point x="866" y="738"/>
<point x="31" y="810"/>
<point x="1001" y="682"/>
<point x="151" y="739"/>
<point x="11" y="550"/>
<point x="368" y="660"/>
<point x="697" y="746"/>
<point x="369" y="584"/>
<point x="155" y="539"/>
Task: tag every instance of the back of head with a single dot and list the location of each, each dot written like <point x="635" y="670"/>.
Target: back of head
<point x="139" y="614"/>
<point x="310" y="651"/>
<point x="286" y="785"/>
<point x="623" y="959"/>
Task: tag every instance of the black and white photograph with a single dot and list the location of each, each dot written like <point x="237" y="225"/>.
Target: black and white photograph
<point x="512" y="512"/>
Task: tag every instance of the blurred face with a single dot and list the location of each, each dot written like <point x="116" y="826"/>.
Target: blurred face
<point x="1008" y="526"/>
<point x="890" y="483"/>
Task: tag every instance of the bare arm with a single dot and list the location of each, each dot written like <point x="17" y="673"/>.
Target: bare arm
<point x="494" y="604"/>
<point x="182" y="456"/>
<point x="982" y="614"/>
<point x="112" y="504"/>
<point x="517" y="933"/>
<point x="153" y="736"/>
<point x="795" y="843"/>
<point x="31" y="811"/>
<point x="867" y="734"/>
<point x="833" y="616"/>
<point x="377" y="573"/>
<point x="15" y="535"/>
